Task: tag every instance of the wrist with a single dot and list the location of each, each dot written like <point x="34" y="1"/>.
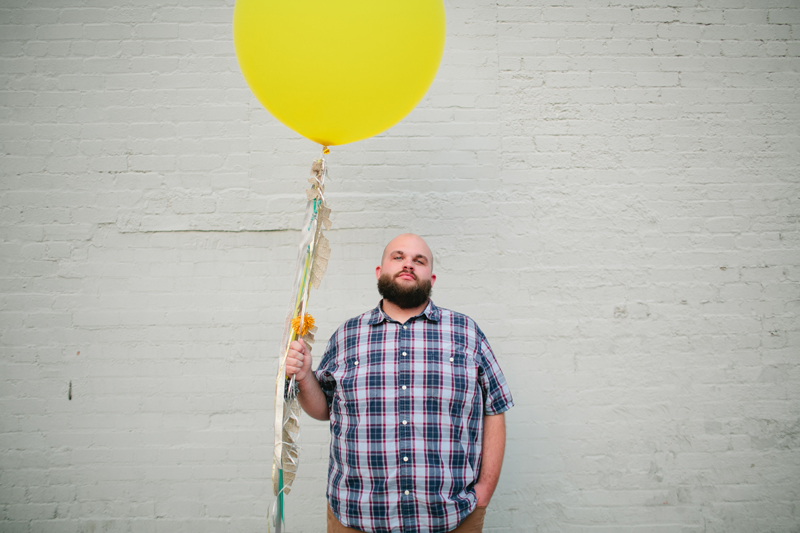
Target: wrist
<point x="483" y="494"/>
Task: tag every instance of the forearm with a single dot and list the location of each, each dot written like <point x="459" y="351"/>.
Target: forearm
<point x="312" y="399"/>
<point x="494" y="446"/>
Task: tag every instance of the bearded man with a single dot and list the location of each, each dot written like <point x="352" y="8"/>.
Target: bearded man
<point x="415" y="399"/>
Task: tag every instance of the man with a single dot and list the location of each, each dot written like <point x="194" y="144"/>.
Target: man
<point x="415" y="400"/>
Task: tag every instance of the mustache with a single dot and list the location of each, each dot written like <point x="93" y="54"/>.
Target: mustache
<point x="405" y="272"/>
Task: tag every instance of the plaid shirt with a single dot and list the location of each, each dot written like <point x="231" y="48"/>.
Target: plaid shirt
<point x="406" y="410"/>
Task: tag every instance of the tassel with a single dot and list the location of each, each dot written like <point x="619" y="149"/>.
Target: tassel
<point x="302" y="325"/>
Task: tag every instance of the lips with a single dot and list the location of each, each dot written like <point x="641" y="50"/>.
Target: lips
<point x="406" y="275"/>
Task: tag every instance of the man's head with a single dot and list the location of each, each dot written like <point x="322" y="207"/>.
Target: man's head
<point x="405" y="276"/>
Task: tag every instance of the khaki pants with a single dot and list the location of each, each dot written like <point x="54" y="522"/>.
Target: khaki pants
<point x="473" y="523"/>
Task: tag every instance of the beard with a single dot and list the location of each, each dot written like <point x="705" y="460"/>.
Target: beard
<point x="404" y="297"/>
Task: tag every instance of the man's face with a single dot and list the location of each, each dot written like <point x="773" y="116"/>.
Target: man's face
<point x="405" y="276"/>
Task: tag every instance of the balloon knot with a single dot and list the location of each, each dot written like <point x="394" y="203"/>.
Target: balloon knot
<point x="325" y="150"/>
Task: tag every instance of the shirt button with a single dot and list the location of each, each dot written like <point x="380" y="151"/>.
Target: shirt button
<point x="405" y="459"/>
<point x="405" y="422"/>
<point x="404" y="354"/>
<point x="405" y="328"/>
<point x="356" y="363"/>
<point x="451" y="360"/>
<point x="404" y="387"/>
<point x="406" y="493"/>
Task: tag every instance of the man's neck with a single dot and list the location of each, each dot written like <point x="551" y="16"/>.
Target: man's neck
<point x="398" y="313"/>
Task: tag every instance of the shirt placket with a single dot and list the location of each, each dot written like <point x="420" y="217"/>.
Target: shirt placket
<point x="405" y="429"/>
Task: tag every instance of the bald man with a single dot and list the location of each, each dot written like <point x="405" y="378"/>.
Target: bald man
<point x="415" y="399"/>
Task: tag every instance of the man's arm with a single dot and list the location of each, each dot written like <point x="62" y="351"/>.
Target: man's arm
<point x="311" y="397"/>
<point x="494" y="446"/>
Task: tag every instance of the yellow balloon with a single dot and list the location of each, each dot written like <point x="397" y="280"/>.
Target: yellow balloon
<point x="339" y="71"/>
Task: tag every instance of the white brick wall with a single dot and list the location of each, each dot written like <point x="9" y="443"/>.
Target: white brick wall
<point x="611" y="189"/>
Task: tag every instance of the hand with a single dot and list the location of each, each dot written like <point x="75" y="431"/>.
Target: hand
<point x="482" y="494"/>
<point x="298" y="361"/>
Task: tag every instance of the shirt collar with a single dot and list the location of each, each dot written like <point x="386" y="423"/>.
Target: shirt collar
<point x="431" y="312"/>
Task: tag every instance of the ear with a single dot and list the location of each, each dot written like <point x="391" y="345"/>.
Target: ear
<point x="433" y="279"/>
<point x="377" y="272"/>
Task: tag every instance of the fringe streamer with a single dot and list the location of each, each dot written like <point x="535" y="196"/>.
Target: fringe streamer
<point x="312" y="261"/>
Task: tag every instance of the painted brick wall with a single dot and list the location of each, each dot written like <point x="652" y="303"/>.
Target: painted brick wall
<point x="612" y="191"/>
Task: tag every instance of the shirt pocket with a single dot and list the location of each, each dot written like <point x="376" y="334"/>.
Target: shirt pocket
<point x="463" y="379"/>
<point x="361" y="384"/>
<point x="348" y="377"/>
<point x="451" y="377"/>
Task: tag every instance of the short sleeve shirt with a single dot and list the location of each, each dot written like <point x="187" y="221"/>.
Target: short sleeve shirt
<point x="407" y="403"/>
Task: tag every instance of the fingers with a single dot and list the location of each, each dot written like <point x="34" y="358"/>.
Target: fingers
<point x="297" y="359"/>
<point x="298" y="346"/>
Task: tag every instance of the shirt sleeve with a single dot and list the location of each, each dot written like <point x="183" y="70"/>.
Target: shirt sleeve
<point x="324" y="371"/>
<point x="496" y="393"/>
